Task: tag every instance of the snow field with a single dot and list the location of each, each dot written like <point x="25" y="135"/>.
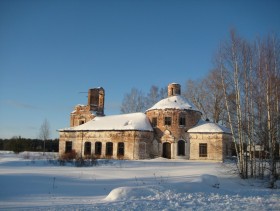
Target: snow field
<point x="29" y="182"/>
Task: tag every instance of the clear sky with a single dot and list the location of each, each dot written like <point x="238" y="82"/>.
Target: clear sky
<point x="51" y="50"/>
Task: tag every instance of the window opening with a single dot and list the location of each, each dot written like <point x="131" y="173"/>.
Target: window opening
<point x="109" y="148"/>
<point x="68" y="146"/>
<point x="98" y="148"/>
<point x="120" y="149"/>
<point x="167" y="120"/>
<point x="182" y="121"/>
<point x="202" y="150"/>
<point x="181" y="148"/>
<point x="87" y="149"/>
<point x="154" y="121"/>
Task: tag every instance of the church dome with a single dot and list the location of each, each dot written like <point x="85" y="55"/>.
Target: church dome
<point x="174" y="102"/>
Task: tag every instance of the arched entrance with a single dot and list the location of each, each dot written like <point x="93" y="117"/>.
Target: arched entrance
<point x="181" y="148"/>
<point x="166" y="150"/>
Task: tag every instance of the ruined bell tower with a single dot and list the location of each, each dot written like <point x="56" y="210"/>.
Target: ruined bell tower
<point x="95" y="107"/>
<point x="96" y="98"/>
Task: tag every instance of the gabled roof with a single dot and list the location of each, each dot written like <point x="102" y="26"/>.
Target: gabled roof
<point x="133" y="121"/>
<point x="208" y="127"/>
<point x="174" y="102"/>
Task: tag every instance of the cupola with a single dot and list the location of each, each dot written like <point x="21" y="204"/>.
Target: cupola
<point x="174" y="89"/>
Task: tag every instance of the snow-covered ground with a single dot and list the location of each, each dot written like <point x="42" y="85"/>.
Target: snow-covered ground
<point x="29" y="182"/>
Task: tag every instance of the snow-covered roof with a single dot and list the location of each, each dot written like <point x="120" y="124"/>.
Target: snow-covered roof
<point x="133" y="121"/>
<point x="208" y="127"/>
<point x="175" y="102"/>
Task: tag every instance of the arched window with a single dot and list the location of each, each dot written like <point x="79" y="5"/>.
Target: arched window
<point x="154" y="121"/>
<point x="109" y="148"/>
<point x="120" y="149"/>
<point x="87" y="148"/>
<point x="181" y="148"/>
<point x="98" y="148"/>
<point x="182" y="120"/>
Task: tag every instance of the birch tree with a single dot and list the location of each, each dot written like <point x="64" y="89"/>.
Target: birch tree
<point x="250" y="73"/>
<point x="207" y="95"/>
<point x="44" y="133"/>
<point x="268" y="72"/>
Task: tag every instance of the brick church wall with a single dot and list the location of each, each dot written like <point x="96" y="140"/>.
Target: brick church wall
<point x="218" y="146"/>
<point x="80" y="115"/>
<point x="137" y="144"/>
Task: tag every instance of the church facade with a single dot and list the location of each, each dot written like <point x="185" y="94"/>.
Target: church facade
<point x="172" y="128"/>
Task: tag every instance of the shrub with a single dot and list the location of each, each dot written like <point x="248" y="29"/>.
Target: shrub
<point x="69" y="156"/>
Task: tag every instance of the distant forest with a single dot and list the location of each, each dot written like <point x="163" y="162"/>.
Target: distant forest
<point x="19" y="144"/>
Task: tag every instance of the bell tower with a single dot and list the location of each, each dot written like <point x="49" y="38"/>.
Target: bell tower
<point x="96" y="97"/>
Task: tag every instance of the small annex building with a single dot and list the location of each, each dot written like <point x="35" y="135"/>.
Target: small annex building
<point x="172" y="128"/>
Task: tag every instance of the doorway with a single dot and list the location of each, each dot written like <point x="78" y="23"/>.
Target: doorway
<point x="166" y="150"/>
<point x="181" y="148"/>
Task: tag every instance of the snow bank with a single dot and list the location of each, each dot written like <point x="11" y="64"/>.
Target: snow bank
<point x="208" y="180"/>
<point x="131" y="193"/>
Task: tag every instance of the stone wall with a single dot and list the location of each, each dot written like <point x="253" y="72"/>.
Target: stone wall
<point x="174" y="132"/>
<point x="80" y="115"/>
<point x="177" y="130"/>
<point x="218" y="146"/>
<point x="137" y="144"/>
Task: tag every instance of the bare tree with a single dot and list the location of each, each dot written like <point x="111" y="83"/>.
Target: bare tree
<point x="250" y="73"/>
<point x="155" y="94"/>
<point x="137" y="101"/>
<point x="44" y="133"/>
<point x="269" y="74"/>
<point x="207" y="96"/>
<point x="195" y="93"/>
<point x="133" y="102"/>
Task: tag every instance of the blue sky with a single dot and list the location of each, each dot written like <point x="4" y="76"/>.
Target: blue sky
<point x="52" y="50"/>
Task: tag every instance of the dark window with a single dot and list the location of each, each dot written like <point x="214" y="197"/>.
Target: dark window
<point x="87" y="149"/>
<point x="120" y="149"/>
<point x="179" y="92"/>
<point x="68" y="146"/>
<point x="202" y="150"/>
<point x="109" y="148"/>
<point x="167" y="120"/>
<point x="98" y="148"/>
<point x="181" y="148"/>
<point x="182" y="121"/>
<point x="154" y="121"/>
<point x="82" y="122"/>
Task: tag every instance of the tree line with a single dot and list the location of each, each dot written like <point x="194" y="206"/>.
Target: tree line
<point x="241" y="92"/>
<point x="19" y="144"/>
